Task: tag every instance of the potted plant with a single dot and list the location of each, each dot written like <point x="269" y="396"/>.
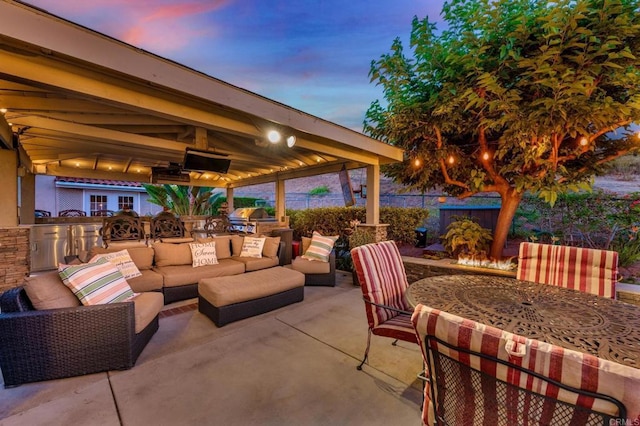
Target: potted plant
<point x="466" y="238"/>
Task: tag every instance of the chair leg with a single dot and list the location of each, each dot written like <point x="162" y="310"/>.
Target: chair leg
<point x="366" y="352"/>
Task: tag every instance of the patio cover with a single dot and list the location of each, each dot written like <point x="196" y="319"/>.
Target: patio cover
<point x="78" y="103"/>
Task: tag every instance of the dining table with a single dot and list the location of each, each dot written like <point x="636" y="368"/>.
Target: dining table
<point x="603" y="327"/>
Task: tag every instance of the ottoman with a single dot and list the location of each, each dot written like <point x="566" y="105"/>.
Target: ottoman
<point x="234" y="297"/>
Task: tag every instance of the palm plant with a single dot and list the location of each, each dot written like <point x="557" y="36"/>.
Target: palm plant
<point x="183" y="200"/>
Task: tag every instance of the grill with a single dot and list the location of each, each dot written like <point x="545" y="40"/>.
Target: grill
<point x="252" y="220"/>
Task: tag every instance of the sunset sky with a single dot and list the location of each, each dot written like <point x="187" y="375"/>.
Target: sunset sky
<point x="311" y="55"/>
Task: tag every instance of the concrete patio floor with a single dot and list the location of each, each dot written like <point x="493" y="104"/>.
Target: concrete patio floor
<point x="292" y="366"/>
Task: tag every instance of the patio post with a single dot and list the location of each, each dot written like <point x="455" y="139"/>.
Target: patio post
<point x="280" y="200"/>
<point x="230" y="200"/>
<point x="9" y="184"/>
<point x="373" y="194"/>
<point x="27" y="197"/>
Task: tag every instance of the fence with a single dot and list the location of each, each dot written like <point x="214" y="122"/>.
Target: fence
<point x="301" y="201"/>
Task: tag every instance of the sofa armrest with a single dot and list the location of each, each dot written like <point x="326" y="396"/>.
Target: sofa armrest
<point x="56" y="343"/>
<point x="281" y="254"/>
<point x="15" y="300"/>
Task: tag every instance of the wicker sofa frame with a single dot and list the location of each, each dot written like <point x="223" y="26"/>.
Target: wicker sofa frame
<point x="225" y="314"/>
<point x="38" y="345"/>
<point x="328" y="279"/>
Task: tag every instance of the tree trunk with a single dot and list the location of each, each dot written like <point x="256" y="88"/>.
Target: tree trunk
<point x="510" y="202"/>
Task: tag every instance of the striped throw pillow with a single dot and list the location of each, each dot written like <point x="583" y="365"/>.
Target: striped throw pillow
<point x="320" y="247"/>
<point x="96" y="283"/>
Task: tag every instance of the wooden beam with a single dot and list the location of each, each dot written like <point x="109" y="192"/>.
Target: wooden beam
<point x="6" y="134"/>
<point x="100" y="134"/>
<point x="295" y="174"/>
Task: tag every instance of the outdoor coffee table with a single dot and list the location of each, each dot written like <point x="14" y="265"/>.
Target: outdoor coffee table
<point x="583" y="322"/>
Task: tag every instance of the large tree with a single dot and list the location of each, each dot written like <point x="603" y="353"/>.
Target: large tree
<point x="512" y="96"/>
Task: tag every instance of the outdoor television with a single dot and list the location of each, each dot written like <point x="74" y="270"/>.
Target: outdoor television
<point x="347" y="191"/>
<point x="204" y="161"/>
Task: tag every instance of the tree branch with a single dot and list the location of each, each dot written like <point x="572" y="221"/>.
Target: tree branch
<point x="443" y="166"/>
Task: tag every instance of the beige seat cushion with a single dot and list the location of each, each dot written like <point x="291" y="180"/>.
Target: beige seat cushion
<point x="223" y="245"/>
<point x="178" y="275"/>
<point x="271" y="245"/>
<point x="148" y="281"/>
<point x="257" y="263"/>
<point x="168" y="254"/>
<point x="236" y="245"/>
<point x="47" y="291"/>
<point x="225" y="291"/>
<point x="147" y="306"/>
<point x="307" y="266"/>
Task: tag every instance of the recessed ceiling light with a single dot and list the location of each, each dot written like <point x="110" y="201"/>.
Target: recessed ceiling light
<point x="291" y="141"/>
<point x="274" y="136"/>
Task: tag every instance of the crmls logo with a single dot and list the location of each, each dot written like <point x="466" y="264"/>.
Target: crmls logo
<point x="624" y="422"/>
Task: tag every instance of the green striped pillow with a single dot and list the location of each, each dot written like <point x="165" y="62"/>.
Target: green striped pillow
<point x="320" y="247"/>
<point x="96" y="283"/>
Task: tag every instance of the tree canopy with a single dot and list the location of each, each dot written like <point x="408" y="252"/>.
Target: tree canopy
<point x="512" y="96"/>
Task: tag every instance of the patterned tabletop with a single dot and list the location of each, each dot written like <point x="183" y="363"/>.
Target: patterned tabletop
<point x="571" y="319"/>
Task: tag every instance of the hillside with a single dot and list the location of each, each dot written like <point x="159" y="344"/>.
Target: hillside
<point x="610" y="183"/>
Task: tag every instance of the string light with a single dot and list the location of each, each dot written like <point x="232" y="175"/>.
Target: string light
<point x="485" y="156"/>
<point x="451" y="159"/>
<point x="584" y="141"/>
<point x="416" y="162"/>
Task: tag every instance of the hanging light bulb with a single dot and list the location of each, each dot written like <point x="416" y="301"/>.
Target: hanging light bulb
<point x="274" y="136"/>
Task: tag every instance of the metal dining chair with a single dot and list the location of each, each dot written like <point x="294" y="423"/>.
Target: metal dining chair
<point x="166" y="225"/>
<point x="482" y="375"/>
<point x="593" y="271"/>
<point x="383" y="282"/>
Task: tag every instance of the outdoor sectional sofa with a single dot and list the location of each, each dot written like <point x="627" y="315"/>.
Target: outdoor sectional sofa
<point x="45" y="333"/>
<point x="167" y="266"/>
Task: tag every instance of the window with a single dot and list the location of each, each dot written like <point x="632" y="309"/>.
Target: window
<point x="125" y="202"/>
<point x="97" y="203"/>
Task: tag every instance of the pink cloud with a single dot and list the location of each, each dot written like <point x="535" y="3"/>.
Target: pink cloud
<point x="161" y="26"/>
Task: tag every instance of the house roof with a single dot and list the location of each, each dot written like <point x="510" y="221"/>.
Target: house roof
<point x="81" y="104"/>
<point x="106" y="182"/>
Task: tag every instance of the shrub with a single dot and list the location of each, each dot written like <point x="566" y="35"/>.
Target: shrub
<point x="320" y="190"/>
<point x="337" y="221"/>
<point x="465" y="236"/>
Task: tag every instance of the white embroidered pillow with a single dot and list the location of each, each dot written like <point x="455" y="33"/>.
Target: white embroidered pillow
<point x="320" y="247"/>
<point x="252" y="247"/>
<point x="203" y="254"/>
<point x="122" y="261"/>
<point x="96" y="283"/>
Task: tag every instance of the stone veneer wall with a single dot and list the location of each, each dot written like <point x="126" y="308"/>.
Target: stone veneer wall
<point x="15" y="257"/>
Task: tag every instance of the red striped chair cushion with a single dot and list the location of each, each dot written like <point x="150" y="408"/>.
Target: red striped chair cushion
<point x="382" y="278"/>
<point x="575" y="369"/>
<point x="590" y="270"/>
